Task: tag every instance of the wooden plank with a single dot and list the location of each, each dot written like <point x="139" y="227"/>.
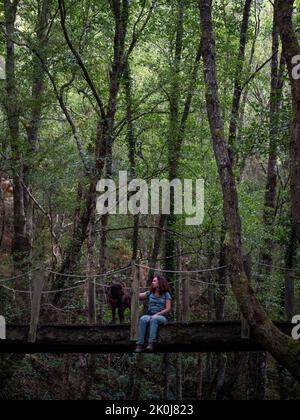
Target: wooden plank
<point x="192" y="337"/>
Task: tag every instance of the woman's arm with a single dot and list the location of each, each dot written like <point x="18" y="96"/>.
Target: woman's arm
<point x="166" y="310"/>
<point x="143" y="296"/>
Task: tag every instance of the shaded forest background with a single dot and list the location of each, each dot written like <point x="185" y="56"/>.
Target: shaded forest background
<point x="93" y="88"/>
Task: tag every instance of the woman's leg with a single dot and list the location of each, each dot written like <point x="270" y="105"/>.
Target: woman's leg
<point x="154" y="324"/>
<point x="144" y="321"/>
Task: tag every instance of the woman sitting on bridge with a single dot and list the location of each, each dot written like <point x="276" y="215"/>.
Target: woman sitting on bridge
<point x="159" y="299"/>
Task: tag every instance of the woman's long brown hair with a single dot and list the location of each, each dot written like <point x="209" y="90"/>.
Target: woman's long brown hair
<point x="162" y="284"/>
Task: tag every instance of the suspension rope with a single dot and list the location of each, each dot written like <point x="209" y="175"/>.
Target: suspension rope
<point x="46" y="292"/>
<point x="77" y="276"/>
<point x="20" y="276"/>
<point x="108" y="274"/>
<point x="25" y="292"/>
<point x="105" y="275"/>
<point x="278" y="267"/>
<point x="212" y="284"/>
<point x="208" y="270"/>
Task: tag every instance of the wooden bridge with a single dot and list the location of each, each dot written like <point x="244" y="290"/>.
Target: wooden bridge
<point x="186" y="337"/>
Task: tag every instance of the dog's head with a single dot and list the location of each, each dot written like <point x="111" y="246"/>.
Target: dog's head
<point x="116" y="291"/>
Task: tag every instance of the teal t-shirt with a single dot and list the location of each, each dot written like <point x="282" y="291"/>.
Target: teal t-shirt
<point x="157" y="304"/>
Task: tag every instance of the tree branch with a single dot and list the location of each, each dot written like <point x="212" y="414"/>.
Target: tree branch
<point x="79" y="59"/>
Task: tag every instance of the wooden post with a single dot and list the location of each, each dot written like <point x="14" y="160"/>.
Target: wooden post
<point x="38" y="285"/>
<point x="92" y="302"/>
<point x="135" y="298"/>
<point x="245" y="326"/>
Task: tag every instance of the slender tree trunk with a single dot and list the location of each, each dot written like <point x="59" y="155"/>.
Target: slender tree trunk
<point x="166" y="368"/>
<point x="291" y="49"/>
<point x="91" y="283"/>
<point x="138" y="369"/>
<point x="21" y="245"/>
<point x="132" y="151"/>
<point x="260" y="360"/>
<point x="287" y="305"/>
<point x="284" y="349"/>
<point x="91" y="360"/>
<point x="37" y="99"/>
<point x="235" y="111"/>
<point x="179" y="317"/>
<point x="220" y="316"/>
<point x="170" y="243"/>
<point x="271" y="188"/>
<point x="221" y="290"/>
<point x="289" y="286"/>
<point x="178" y="126"/>
<point x="200" y="377"/>
<point x="104" y="145"/>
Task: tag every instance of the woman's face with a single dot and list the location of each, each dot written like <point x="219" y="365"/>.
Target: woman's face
<point x="155" y="283"/>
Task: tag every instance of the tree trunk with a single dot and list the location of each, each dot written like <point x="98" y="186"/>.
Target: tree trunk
<point x="174" y="125"/>
<point x="137" y="371"/>
<point x="179" y="317"/>
<point x="271" y="187"/>
<point x="21" y="245"/>
<point x="37" y="98"/>
<point x="289" y="282"/>
<point x="132" y="152"/>
<point x="92" y="316"/>
<point x="104" y="144"/>
<point x="200" y="376"/>
<point x="166" y="368"/>
<point x="258" y="363"/>
<point x="291" y="49"/>
<point x="178" y="126"/>
<point x="284" y="349"/>
<point x="221" y="290"/>
<point x="235" y="111"/>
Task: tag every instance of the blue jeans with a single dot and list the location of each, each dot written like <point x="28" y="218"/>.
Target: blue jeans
<point x="154" y="324"/>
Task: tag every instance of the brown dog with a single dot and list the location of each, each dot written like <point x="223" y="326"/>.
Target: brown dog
<point x="120" y="300"/>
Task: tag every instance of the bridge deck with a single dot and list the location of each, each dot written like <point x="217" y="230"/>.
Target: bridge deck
<point x="186" y="337"/>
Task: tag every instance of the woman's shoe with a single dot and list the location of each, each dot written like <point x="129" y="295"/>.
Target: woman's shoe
<point x="150" y="347"/>
<point x="139" y="349"/>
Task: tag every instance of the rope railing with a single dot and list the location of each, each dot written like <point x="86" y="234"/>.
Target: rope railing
<point x="122" y="270"/>
<point x="118" y="271"/>
<point x="212" y="284"/>
<point x="48" y="270"/>
<point x="276" y="267"/>
<point x="44" y="292"/>
<point x="82" y="283"/>
<point x="20" y="276"/>
<point x="207" y="270"/>
<point x="128" y="267"/>
<point x="96" y="276"/>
